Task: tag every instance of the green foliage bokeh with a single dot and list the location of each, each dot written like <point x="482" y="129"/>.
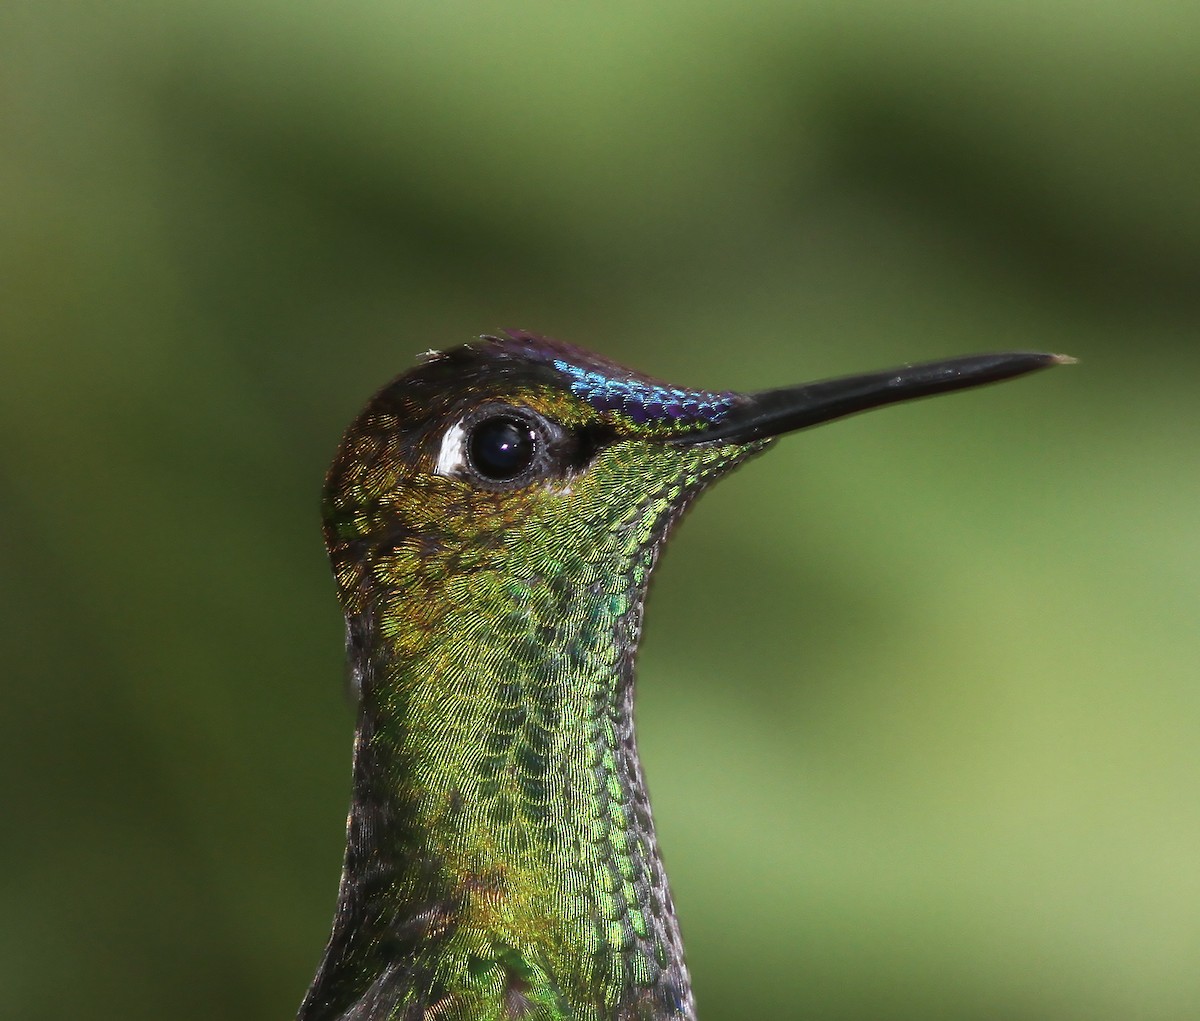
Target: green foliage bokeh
<point x="918" y="695"/>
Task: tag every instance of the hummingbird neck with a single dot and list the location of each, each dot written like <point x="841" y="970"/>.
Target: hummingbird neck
<point x="501" y="858"/>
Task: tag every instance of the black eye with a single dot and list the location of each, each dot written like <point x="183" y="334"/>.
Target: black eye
<point x="502" y="448"/>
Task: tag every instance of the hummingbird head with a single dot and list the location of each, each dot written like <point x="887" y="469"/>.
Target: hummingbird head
<point x="521" y="453"/>
<point x="516" y="453"/>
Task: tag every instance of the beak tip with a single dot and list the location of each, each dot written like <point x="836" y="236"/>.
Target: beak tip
<point x="1063" y="360"/>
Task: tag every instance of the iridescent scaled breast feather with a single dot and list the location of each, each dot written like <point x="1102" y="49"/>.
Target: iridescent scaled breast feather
<point x="492" y="518"/>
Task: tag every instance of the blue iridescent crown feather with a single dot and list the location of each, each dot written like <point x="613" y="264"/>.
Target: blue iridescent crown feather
<point x="608" y="386"/>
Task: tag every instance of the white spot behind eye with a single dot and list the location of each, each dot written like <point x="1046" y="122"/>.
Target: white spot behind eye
<point x="451" y="458"/>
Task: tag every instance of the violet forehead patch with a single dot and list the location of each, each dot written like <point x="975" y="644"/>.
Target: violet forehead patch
<point x="641" y="400"/>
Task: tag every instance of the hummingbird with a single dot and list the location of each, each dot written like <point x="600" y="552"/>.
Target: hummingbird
<point x="492" y="519"/>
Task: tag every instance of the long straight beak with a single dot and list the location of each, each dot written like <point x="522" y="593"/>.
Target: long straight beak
<point x="774" y="412"/>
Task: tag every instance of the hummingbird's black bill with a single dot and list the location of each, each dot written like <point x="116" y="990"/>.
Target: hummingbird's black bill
<point x="773" y="412"/>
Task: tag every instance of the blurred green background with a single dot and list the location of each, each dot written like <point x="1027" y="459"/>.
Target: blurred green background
<point x="919" y="695"/>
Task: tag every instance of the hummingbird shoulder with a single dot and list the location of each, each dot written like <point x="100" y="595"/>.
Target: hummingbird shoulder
<point x="492" y="519"/>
